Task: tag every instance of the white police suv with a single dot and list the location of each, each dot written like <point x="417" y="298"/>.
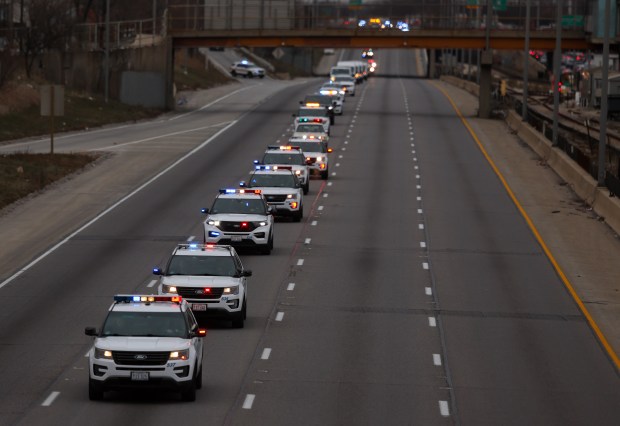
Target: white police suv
<point x="312" y="115"/>
<point x="310" y="131"/>
<point x="246" y="69"/>
<point x="241" y="218"/>
<point x="288" y="156"/>
<point x="146" y="341"/>
<point x="210" y="278"/>
<point x="316" y="155"/>
<point x="281" y="189"/>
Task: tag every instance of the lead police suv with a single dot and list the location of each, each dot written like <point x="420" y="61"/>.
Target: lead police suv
<point x="146" y="341"/>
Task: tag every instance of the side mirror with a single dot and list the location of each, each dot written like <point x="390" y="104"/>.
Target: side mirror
<point x="270" y="209"/>
<point x="309" y="162"/>
<point x="204" y="210"/>
<point x="246" y="273"/>
<point x="330" y="150"/>
<point x="256" y="162"/>
<point x="301" y="102"/>
<point x="91" y="331"/>
<point x="157" y="271"/>
<point x="201" y="332"/>
<point x="242" y="184"/>
<point x="294" y="115"/>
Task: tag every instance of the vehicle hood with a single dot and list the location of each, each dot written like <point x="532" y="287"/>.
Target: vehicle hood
<point x="200" y="281"/>
<point x="271" y="190"/>
<point x="131" y="343"/>
<point x="236" y="217"/>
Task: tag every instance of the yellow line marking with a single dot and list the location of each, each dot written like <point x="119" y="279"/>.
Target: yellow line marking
<point x="597" y="331"/>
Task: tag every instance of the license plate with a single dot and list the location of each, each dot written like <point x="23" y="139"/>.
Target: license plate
<point x="199" y="306"/>
<point x="236" y="238"/>
<point x="140" y="376"/>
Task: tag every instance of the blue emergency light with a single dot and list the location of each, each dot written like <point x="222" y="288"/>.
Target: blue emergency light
<point x="140" y="298"/>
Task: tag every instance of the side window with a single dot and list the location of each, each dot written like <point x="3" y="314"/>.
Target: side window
<point x="191" y="320"/>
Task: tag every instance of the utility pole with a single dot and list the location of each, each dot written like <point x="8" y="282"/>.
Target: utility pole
<point x="557" y="58"/>
<point x="107" y="50"/>
<point x="602" y="136"/>
<point x="526" y="60"/>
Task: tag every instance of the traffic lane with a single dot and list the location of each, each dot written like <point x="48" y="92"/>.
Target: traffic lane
<point x="495" y="270"/>
<point x="529" y="369"/>
<point x="354" y="317"/>
<point x="110" y="239"/>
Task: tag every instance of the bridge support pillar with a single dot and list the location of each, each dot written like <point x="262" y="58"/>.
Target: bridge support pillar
<point x="432" y="56"/>
<point x="169" y="76"/>
<point x="484" y="95"/>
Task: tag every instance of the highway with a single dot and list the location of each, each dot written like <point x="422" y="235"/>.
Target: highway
<point x="413" y="292"/>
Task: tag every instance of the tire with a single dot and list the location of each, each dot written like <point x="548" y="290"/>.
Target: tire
<point x="238" y="320"/>
<point x="250" y="75"/>
<point x="189" y="393"/>
<point x="199" y="379"/>
<point x="95" y="390"/>
<point x="233" y="73"/>
<point x="325" y="175"/>
<point x="262" y="76"/>
<point x="306" y="187"/>
<point x="268" y="247"/>
<point x="299" y="215"/>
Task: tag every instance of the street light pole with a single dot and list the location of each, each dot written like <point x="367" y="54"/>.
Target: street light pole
<point x="557" y="58"/>
<point x="526" y="60"/>
<point x="107" y="50"/>
<point x="602" y="135"/>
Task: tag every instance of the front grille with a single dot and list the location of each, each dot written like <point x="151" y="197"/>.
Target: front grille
<point x="199" y="292"/>
<point x="140" y="358"/>
<point x="236" y="227"/>
<point x="312" y="159"/>
<point x="276" y="198"/>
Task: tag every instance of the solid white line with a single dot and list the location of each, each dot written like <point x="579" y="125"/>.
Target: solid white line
<point x="152" y="283"/>
<point x="50" y="399"/>
<point x="279" y="316"/>
<point x="444" y="409"/>
<point x="428" y="291"/>
<point x="87" y="353"/>
<point x="214" y="102"/>
<point x="424" y="265"/>
<point x="266" y="353"/>
<point x="291" y="286"/>
<point x="249" y="400"/>
<point x="314" y="222"/>
<point x="437" y="359"/>
<point x="307" y="240"/>
<point x="320" y="208"/>
<point x="432" y="322"/>
<point x="300" y="262"/>
<point x="113" y="206"/>
<point x="191" y="238"/>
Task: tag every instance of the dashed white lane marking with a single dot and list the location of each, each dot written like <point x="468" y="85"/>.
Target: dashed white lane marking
<point x="346" y="142"/>
<point x="266" y="353"/>
<point x="420" y="226"/>
<point x="428" y="291"/>
<point x="415" y="167"/>
<point x="417" y="176"/>
<point x="337" y="164"/>
<point x="419" y="198"/>
<point x="314" y="222"/>
<point x="279" y="316"/>
<point x="344" y="149"/>
<point x="418" y="187"/>
<point x="329" y="183"/>
<point x="50" y="399"/>
<point x="191" y="238"/>
<point x="419" y="211"/>
<point x="444" y="409"/>
<point x="333" y="173"/>
<point x="437" y="359"/>
<point x="249" y="400"/>
<point x="291" y="286"/>
<point x="415" y="158"/>
<point x="325" y="195"/>
<point x="340" y="156"/>
<point x="432" y="322"/>
<point x="307" y="240"/>
<point x="152" y="283"/>
<point x="412" y="145"/>
<point x="350" y="130"/>
<point x="300" y="262"/>
<point x="320" y="208"/>
<point x="422" y="244"/>
<point x="425" y="265"/>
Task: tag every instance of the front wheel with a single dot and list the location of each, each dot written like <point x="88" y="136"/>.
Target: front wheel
<point x="306" y="187"/>
<point x="233" y="73"/>
<point x="95" y="390"/>
<point x="199" y="379"/>
<point x="299" y="215"/>
<point x="238" y="320"/>
<point x="325" y="175"/>
<point x="189" y="393"/>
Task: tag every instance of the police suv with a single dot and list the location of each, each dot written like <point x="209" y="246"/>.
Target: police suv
<point x="146" y="341"/>
<point x="210" y="278"/>
<point x="316" y="155"/>
<point x="246" y="69"/>
<point x="288" y="156"/>
<point x="310" y="131"/>
<point x="281" y="189"/>
<point x="241" y="218"/>
<point x="312" y="115"/>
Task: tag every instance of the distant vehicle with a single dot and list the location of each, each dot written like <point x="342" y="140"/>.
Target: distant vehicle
<point x="329" y="51"/>
<point x="246" y="69"/>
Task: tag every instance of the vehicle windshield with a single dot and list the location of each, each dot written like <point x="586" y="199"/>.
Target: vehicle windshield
<point x="220" y="266"/>
<point x="344" y="80"/>
<point x="311" y="146"/>
<point x="310" y="128"/>
<point x="273" y="180"/>
<point x="150" y="324"/>
<point x="319" y="99"/>
<point x="291" y="159"/>
<point x="337" y="71"/>
<point x="239" y="206"/>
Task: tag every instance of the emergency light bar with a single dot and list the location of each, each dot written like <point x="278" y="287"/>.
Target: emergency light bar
<point x="127" y="298"/>
<point x="196" y="246"/>
<point x="284" y="148"/>
<point x="240" y="191"/>
<point x="274" y="168"/>
<point x="313" y="104"/>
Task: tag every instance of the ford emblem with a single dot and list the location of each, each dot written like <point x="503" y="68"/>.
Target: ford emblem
<point x="140" y="357"/>
<point x="198" y="291"/>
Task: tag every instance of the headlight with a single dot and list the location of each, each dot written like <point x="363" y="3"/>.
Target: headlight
<point x="179" y="355"/>
<point x="290" y="196"/>
<point x="169" y="289"/>
<point x="231" y="290"/>
<point x="103" y="354"/>
<point x="319" y="158"/>
<point x="213" y="222"/>
<point x="298" y="172"/>
<point x="260" y="223"/>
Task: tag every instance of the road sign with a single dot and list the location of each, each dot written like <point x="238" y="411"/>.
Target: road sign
<point x="499" y="5"/>
<point x="277" y="53"/>
<point x="572" y="21"/>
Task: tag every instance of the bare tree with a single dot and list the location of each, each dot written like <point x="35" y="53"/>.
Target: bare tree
<point x="51" y="24"/>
